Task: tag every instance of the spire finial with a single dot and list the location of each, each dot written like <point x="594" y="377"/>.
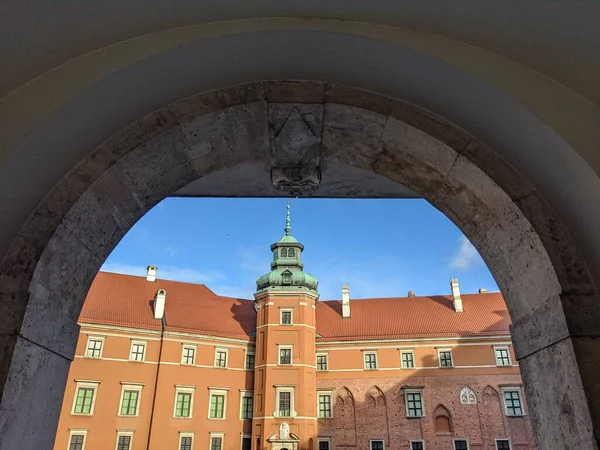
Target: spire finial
<point x="288" y="225"/>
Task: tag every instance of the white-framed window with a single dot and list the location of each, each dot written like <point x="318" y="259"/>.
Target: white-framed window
<point x="124" y="440"/>
<point x="284" y="396"/>
<point x="221" y="355"/>
<point x="407" y="359"/>
<point x="324" y="444"/>
<point x="188" y="355"/>
<point x="184" y="402"/>
<point x="285" y="355"/>
<point x="246" y="404"/>
<point x="322" y="362"/>
<point x="461" y="444"/>
<point x="414" y="403"/>
<point x="286" y="316"/>
<point x="445" y="357"/>
<point x="376" y="444"/>
<point x="94" y="347"/>
<point x="502" y="356"/>
<point x="85" y="398"/>
<point x="370" y="359"/>
<point x="246" y="443"/>
<point x="503" y="444"/>
<point x="186" y="441"/>
<point x="216" y="441"/>
<point x="77" y="439"/>
<point x="417" y="445"/>
<point x="138" y="351"/>
<point x="217" y="403"/>
<point x="250" y="358"/>
<point x="513" y="401"/>
<point x="324" y="406"/>
<point x="131" y="395"/>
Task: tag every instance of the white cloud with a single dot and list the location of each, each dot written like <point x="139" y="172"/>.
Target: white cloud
<point x="466" y="256"/>
<point x="167" y="272"/>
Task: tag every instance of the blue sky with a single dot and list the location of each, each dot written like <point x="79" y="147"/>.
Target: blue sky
<point x="381" y="248"/>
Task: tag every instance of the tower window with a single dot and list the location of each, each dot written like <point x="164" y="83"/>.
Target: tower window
<point x="287" y="277"/>
<point x="285" y="402"/>
<point x="285" y="356"/>
<point x="284" y="252"/>
<point x="291" y="253"/>
<point x="286" y="317"/>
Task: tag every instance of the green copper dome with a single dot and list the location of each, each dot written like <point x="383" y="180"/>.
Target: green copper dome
<point x="287" y="267"/>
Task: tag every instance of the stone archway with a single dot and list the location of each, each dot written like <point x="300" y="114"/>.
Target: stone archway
<point x="52" y="262"/>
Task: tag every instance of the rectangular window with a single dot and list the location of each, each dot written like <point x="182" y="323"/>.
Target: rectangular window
<point x="512" y="400"/>
<point x="502" y="357"/>
<point x="183" y="404"/>
<point x="408" y="360"/>
<point x="217" y="403"/>
<point x="138" y="350"/>
<point x="322" y="363"/>
<point x="246" y="443"/>
<point x="325" y="406"/>
<point x="502" y="444"/>
<point x="461" y="444"/>
<point x="445" y="357"/>
<point x="285" y="404"/>
<point x="377" y="445"/>
<point x="286" y="317"/>
<point x="247" y="406"/>
<point x="84" y="400"/>
<point x="124" y="443"/>
<point x="221" y="358"/>
<point x="285" y="356"/>
<point x="323" y="445"/>
<point x="216" y="443"/>
<point x="414" y="404"/>
<point x="417" y="445"/>
<point x="371" y="363"/>
<point x="94" y="348"/>
<point x="188" y="355"/>
<point x="249" y="361"/>
<point x="129" y="403"/>
<point x="76" y="442"/>
<point x="185" y="442"/>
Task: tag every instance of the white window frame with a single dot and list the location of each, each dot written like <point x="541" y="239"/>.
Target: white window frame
<point x="417" y="441"/>
<point x="370" y="352"/>
<point x="186" y="434"/>
<point x="502" y="347"/>
<point x="246" y="360"/>
<point x="184" y="390"/>
<point x="136" y="342"/>
<point x="217" y="391"/>
<point x="131" y="387"/>
<point x="414" y="391"/>
<point x="326" y="393"/>
<point x="217" y="351"/>
<point x="445" y="350"/>
<point x="502" y="439"/>
<point x="87" y="346"/>
<point x="511" y="389"/>
<point x="281" y="311"/>
<point x="85" y="384"/>
<point x="412" y="352"/>
<point x="246" y="394"/>
<point x="279" y="390"/>
<point x="460" y="439"/>
<point x="285" y="347"/>
<point x="372" y="440"/>
<point x="326" y="355"/>
<point x="185" y="347"/>
<point x="124" y="433"/>
<point x="77" y="432"/>
<point x="216" y="435"/>
<point x="324" y="439"/>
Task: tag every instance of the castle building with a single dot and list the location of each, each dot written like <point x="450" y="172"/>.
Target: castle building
<point x="169" y="365"/>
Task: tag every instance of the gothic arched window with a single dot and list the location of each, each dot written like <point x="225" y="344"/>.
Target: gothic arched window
<point x="284" y="253"/>
<point x="291" y="253"/>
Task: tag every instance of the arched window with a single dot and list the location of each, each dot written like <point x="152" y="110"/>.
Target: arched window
<point x="291" y="253"/>
<point x="467" y="396"/>
<point x="442" y="420"/>
<point x="283" y="253"/>
<point x="287" y="277"/>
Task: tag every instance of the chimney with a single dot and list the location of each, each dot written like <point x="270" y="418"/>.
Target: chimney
<point x="482" y="290"/>
<point x="345" y="301"/>
<point x="159" y="304"/>
<point x="151" y="273"/>
<point x="411" y="293"/>
<point x="456" y="300"/>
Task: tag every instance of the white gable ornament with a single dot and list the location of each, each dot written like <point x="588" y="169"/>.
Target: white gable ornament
<point x="467" y="396"/>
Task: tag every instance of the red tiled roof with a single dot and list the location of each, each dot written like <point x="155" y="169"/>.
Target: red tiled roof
<point x="413" y="317"/>
<point x="126" y="301"/>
